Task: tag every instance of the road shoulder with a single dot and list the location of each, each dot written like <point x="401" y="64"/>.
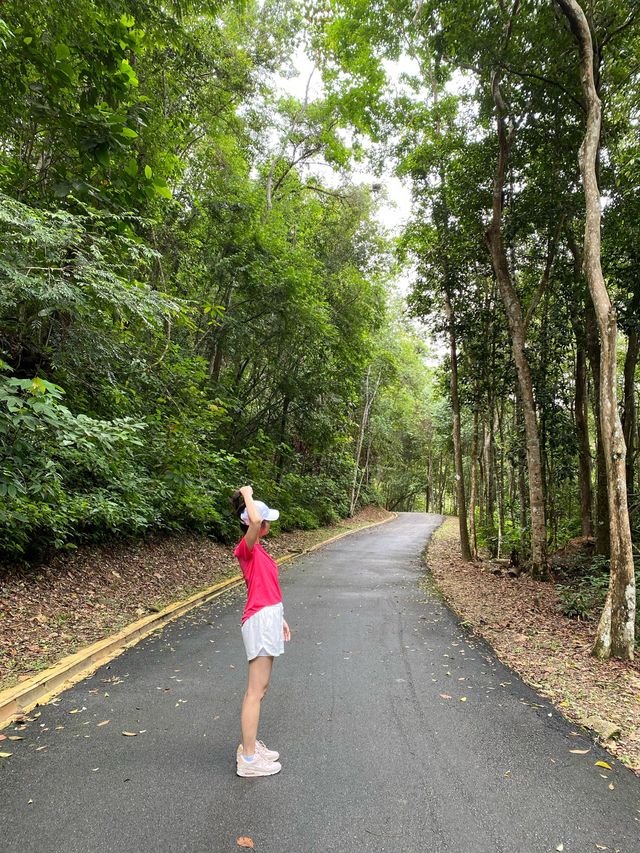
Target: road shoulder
<point x="519" y="618"/>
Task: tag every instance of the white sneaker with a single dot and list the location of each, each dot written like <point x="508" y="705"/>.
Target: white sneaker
<point x="258" y="767"/>
<point x="261" y="749"/>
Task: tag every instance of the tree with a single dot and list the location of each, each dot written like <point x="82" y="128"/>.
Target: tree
<point x="616" y="628"/>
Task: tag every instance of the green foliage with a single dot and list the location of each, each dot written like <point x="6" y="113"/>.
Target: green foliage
<point x="184" y="305"/>
<point x="582" y="597"/>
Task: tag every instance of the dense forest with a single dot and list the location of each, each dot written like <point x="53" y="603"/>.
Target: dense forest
<point x="196" y="290"/>
<point x="184" y="305"/>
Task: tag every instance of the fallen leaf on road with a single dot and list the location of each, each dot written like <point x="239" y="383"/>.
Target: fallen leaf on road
<point x="3" y="737"/>
<point x="444" y="696"/>
<point x="103" y="723"/>
<point x="16" y="737"/>
<point x="601" y="847"/>
<point x="5" y="754"/>
<point x="560" y="847"/>
<point x="245" y="841"/>
<point x="611" y="786"/>
<point x="579" y="751"/>
<point x="40" y="748"/>
<point x="603" y="764"/>
<point x="130" y="734"/>
<point x="463" y="698"/>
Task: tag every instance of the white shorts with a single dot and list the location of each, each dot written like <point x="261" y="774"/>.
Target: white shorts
<point x="263" y="633"/>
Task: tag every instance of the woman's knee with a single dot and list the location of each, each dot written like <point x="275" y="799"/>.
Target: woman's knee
<point x="257" y="691"/>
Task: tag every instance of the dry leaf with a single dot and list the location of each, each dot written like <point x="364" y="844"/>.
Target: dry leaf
<point x="560" y="847"/>
<point x="40" y="748"/>
<point x="130" y="734"/>
<point x="611" y="786"/>
<point x="444" y="696"/>
<point x="16" y="737"/>
<point x="579" y="751"/>
<point x="103" y="723"/>
<point x="603" y="764"/>
<point x="5" y="754"/>
<point x="601" y="847"/>
<point x="3" y="737"/>
<point x="463" y="698"/>
<point x="244" y="841"/>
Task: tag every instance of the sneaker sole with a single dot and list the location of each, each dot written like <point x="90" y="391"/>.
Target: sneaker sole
<point x="250" y="773"/>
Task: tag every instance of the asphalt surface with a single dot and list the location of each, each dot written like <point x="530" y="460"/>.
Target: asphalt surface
<point x="374" y="758"/>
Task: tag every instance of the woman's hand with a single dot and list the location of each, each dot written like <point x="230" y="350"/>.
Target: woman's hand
<point x="246" y="492"/>
<point x="286" y="631"/>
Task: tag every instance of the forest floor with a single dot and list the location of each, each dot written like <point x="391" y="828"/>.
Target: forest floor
<point x="51" y="610"/>
<point x="521" y="619"/>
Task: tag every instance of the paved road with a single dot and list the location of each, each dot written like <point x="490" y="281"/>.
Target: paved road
<point x="373" y="758"/>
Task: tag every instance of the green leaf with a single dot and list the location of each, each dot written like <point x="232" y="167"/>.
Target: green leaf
<point x="27" y="39"/>
<point x="126" y="69"/>
<point x="62" y="52"/>
<point x="131" y="168"/>
<point x="128" y="133"/>
<point x="102" y="155"/>
<point x="163" y="190"/>
<point x="127" y="20"/>
<point x="148" y="172"/>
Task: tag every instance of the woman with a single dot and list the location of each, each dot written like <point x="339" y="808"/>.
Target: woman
<point x="264" y="629"/>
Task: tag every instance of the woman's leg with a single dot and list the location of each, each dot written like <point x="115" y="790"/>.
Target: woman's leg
<point x="259" y="675"/>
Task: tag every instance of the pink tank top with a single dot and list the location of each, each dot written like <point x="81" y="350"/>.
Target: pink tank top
<point x="261" y="577"/>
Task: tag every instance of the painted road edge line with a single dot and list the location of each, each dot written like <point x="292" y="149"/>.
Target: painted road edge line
<point x="43" y="687"/>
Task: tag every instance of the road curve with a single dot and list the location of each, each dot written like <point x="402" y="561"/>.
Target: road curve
<point x="375" y="756"/>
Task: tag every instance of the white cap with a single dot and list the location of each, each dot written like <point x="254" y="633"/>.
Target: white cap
<point x="266" y="513"/>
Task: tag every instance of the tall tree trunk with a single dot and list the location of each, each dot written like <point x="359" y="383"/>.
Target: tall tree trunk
<point x="582" y="430"/>
<point x="500" y="473"/>
<point x="368" y="400"/>
<point x="592" y="342"/>
<point x="457" y="438"/>
<point x="473" y="488"/>
<point x="490" y="482"/>
<point x="602" y="531"/>
<point x="429" y="489"/>
<point x="615" y="635"/>
<point x="629" y="411"/>
<point x="515" y="321"/>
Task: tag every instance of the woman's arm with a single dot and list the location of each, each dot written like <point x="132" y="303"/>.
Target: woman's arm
<point x="255" y="519"/>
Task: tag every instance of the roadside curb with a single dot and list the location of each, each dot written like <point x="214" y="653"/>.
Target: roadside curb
<point x="43" y="687"/>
